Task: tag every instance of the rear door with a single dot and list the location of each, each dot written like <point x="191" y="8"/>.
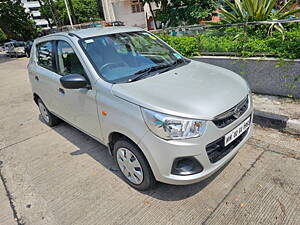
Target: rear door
<point x="43" y="75"/>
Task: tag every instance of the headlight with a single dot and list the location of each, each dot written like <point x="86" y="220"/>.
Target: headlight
<point x="171" y="127"/>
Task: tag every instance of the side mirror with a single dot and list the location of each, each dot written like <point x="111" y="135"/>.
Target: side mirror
<point x="73" y="81"/>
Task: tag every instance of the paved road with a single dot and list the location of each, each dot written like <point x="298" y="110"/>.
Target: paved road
<point x="61" y="176"/>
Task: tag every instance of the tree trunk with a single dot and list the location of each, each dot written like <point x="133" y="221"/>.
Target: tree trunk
<point x="153" y="16"/>
<point x="46" y="17"/>
<point x="164" y="5"/>
<point x="100" y="9"/>
<point x="54" y="13"/>
<point x="72" y="12"/>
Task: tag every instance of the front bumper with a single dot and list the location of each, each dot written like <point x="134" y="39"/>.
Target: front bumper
<point x="162" y="153"/>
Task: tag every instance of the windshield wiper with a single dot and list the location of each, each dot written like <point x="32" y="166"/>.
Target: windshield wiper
<point x="142" y="73"/>
<point x="145" y="72"/>
<point x="174" y="64"/>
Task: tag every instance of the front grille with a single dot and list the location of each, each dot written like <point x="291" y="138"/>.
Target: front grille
<point x="216" y="150"/>
<point x="232" y="114"/>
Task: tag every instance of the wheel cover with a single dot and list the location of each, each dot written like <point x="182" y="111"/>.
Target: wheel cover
<point x="130" y="166"/>
<point x="44" y="112"/>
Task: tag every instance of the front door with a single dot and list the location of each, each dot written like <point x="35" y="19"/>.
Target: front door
<point x="77" y="106"/>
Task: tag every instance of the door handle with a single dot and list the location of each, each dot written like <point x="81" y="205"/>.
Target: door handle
<point x="61" y="91"/>
<point x="36" y="78"/>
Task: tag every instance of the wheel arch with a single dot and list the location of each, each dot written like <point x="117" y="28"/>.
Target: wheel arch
<point x="114" y="136"/>
<point x="36" y="97"/>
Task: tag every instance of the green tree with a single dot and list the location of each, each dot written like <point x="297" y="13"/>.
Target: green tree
<point x="2" y="36"/>
<point x="183" y="12"/>
<point x="83" y="10"/>
<point x="45" y="11"/>
<point x="72" y="11"/>
<point x="50" y="13"/>
<point x="15" y="22"/>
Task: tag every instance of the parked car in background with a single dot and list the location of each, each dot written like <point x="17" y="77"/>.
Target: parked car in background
<point x="15" y="48"/>
<point x="114" y="24"/>
<point x="162" y="116"/>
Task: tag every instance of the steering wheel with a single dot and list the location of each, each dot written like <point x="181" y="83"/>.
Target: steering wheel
<point x="107" y="65"/>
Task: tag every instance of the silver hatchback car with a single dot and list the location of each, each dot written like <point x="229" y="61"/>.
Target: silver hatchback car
<point x="163" y="117"/>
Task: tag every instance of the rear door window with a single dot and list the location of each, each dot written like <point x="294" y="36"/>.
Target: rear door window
<point x="45" y="55"/>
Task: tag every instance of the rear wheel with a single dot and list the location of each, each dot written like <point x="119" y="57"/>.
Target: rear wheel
<point x="50" y="119"/>
<point x="133" y="165"/>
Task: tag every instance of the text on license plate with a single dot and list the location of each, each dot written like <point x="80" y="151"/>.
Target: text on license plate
<point x="234" y="134"/>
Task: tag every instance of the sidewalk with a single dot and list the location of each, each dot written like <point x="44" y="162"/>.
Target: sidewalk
<point x="6" y="214"/>
<point x="277" y="112"/>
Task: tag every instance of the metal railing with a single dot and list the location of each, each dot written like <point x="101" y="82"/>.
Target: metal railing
<point x="200" y="28"/>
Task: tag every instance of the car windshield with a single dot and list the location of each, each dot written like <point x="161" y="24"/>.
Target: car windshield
<point x="119" y="57"/>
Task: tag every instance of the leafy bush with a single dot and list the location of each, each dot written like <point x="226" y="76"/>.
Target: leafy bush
<point x="218" y="44"/>
<point x="288" y="48"/>
<point x="187" y="46"/>
<point x="2" y="36"/>
<point x="254" y="43"/>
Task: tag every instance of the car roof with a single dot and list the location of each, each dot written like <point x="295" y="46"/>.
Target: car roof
<point x="97" y="31"/>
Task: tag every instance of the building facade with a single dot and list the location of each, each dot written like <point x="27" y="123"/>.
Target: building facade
<point x="33" y="7"/>
<point x="131" y="12"/>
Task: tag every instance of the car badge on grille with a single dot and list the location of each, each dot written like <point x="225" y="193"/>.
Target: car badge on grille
<point x="237" y="112"/>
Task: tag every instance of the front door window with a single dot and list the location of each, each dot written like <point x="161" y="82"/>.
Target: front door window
<point x="68" y="62"/>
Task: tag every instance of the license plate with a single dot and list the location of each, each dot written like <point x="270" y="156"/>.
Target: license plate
<point x="234" y="134"/>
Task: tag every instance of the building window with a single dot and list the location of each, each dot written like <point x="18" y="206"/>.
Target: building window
<point x="137" y="6"/>
<point x="42" y="25"/>
<point x="34" y="9"/>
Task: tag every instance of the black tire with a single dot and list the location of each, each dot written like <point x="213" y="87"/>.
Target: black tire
<point x="51" y="120"/>
<point x="148" y="177"/>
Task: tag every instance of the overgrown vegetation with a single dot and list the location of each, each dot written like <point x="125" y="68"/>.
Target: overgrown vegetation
<point x="81" y="11"/>
<point x="182" y="12"/>
<point x="15" y="22"/>
<point x="234" y="40"/>
<point x="255" y="10"/>
<point x="2" y="36"/>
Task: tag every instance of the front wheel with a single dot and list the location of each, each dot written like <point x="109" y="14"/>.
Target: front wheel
<point x="133" y="165"/>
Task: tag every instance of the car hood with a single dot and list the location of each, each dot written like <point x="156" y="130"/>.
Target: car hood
<point x="196" y="90"/>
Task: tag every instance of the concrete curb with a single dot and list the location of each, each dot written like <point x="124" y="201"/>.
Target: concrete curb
<point x="280" y="122"/>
